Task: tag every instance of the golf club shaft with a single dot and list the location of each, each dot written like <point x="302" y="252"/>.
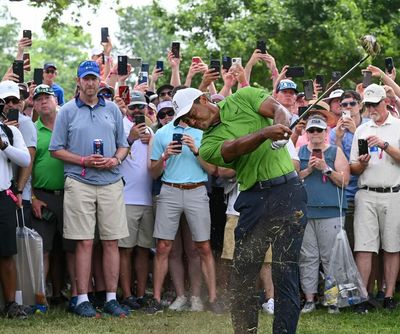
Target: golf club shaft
<point x="327" y="92"/>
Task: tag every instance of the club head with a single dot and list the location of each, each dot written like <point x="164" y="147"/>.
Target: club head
<point x="370" y="45"/>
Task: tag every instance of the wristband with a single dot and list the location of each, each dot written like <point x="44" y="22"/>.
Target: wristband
<point x="83" y="172"/>
<point x="118" y="159"/>
<point x="244" y="84"/>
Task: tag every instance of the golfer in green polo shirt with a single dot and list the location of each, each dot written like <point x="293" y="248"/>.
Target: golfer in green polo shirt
<point x="272" y="204"/>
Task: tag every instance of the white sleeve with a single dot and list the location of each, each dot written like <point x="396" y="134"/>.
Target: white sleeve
<point x="18" y="153"/>
<point x="292" y="151"/>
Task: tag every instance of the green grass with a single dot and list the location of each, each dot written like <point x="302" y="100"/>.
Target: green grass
<point x="56" y="321"/>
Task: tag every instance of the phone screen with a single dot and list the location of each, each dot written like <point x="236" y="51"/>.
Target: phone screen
<point x="160" y="65"/>
<point x="319" y="79"/>
<point x="389" y="65"/>
<point x="104" y="35"/>
<point x="143" y="78"/>
<point x="27" y="34"/>
<point x="367" y="78"/>
<point x="175" y="48"/>
<point x="362" y="147"/>
<point x="308" y="86"/>
<point x="122" y="65"/>
<point x="18" y="68"/>
<point x="178" y="138"/>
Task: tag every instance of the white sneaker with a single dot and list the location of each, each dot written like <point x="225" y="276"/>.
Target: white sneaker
<point x="179" y="304"/>
<point x="308" y="307"/>
<point x="268" y="306"/>
<point x="196" y="305"/>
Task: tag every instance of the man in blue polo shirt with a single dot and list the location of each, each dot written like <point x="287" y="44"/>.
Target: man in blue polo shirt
<point x="49" y="76"/>
<point x="184" y="175"/>
<point x="93" y="191"/>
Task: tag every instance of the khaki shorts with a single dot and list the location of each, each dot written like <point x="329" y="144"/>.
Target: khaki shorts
<point x="229" y="240"/>
<point x="86" y="204"/>
<point x="140" y="225"/>
<point x="376" y="221"/>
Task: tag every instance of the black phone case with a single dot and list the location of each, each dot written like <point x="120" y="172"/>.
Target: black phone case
<point x="13" y="115"/>
<point x="104" y="35"/>
<point x="319" y="79"/>
<point x="175" y="48"/>
<point x="295" y="71"/>
<point x="18" y="68"/>
<point x="145" y="67"/>
<point x="367" y="79"/>
<point x="262" y="46"/>
<point x="27" y="34"/>
<point x="160" y="65"/>
<point x="122" y="65"/>
<point x="216" y="65"/>
<point x="139" y="119"/>
<point x="226" y="63"/>
<point x="362" y="147"/>
<point x="389" y="65"/>
<point x="38" y="76"/>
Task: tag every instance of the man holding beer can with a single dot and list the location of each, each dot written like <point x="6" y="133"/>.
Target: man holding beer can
<point x="93" y="185"/>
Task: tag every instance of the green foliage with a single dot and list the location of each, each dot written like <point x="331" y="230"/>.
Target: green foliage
<point x="9" y="30"/>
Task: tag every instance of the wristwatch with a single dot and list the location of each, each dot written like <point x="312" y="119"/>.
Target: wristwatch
<point x="327" y="171"/>
<point x="5" y="145"/>
<point x="385" y="145"/>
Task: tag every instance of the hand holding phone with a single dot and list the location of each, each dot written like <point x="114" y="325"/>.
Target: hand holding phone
<point x="362" y="147"/>
<point x="319" y="79"/>
<point x="295" y="71"/>
<point x="389" y="65"/>
<point x="226" y="62"/>
<point x="175" y="49"/>
<point x="367" y="78"/>
<point x="122" y="65"/>
<point x="104" y="35"/>
<point x="177" y="137"/>
<point x="159" y="66"/>
<point x="262" y="46"/>
<point x="316" y="152"/>
<point x="139" y="119"/>
<point x="216" y="65"/>
<point x="27" y="34"/>
<point x="18" y="69"/>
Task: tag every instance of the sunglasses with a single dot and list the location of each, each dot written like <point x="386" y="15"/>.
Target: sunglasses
<point x="50" y="71"/>
<point x="371" y="104"/>
<point x="106" y="95"/>
<point x="137" y="106"/>
<point x="162" y="114"/>
<point x="312" y="130"/>
<point x="169" y="93"/>
<point x="13" y="100"/>
<point x="346" y="104"/>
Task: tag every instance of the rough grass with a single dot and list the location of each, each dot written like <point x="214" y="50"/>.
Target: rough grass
<point x="57" y="321"/>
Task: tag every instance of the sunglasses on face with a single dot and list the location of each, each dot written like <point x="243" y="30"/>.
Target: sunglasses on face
<point x="13" y="100"/>
<point x="312" y="130"/>
<point x="50" y="71"/>
<point x="346" y="104"/>
<point x="137" y="106"/>
<point x="162" y="114"/>
<point x="371" y="104"/>
<point x="169" y="93"/>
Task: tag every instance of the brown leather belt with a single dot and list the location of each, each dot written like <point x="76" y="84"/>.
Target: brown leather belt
<point x="185" y="186"/>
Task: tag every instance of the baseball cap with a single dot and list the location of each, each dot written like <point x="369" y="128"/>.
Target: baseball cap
<point x="336" y="94"/>
<point x="42" y="89"/>
<point x="374" y="94"/>
<point x="183" y="102"/>
<point x="286" y="84"/>
<point x="137" y="98"/>
<point x="166" y="86"/>
<point x="9" y="88"/>
<point x="48" y="65"/>
<point x="97" y="50"/>
<point x="88" y="67"/>
<point x="165" y="105"/>
<point x="316" y="122"/>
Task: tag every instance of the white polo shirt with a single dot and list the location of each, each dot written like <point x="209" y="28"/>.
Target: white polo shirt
<point x="382" y="170"/>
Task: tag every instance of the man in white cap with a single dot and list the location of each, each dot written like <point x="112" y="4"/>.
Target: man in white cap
<point x="272" y="202"/>
<point x="376" y="217"/>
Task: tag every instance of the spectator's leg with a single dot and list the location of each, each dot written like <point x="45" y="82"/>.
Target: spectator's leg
<point x="141" y="269"/>
<point x="111" y="262"/>
<point x="83" y="260"/>
<point x="8" y="277"/>
<point x="160" y="266"/>
<point x="175" y="264"/>
<point x="391" y="269"/>
<point x="125" y="271"/>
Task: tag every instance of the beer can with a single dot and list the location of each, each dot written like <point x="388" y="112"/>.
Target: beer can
<point x="98" y="146"/>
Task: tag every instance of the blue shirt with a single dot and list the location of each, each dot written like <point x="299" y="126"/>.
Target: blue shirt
<point x="59" y="92"/>
<point x="180" y="168"/>
<point x="76" y="127"/>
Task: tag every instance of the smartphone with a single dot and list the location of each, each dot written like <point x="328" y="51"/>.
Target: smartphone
<point x="367" y="78"/>
<point x="18" y="68"/>
<point x="122" y="65"/>
<point x="389" y="65"/>
<point x="103" y="58"/>
<point x="295" y="71"/>
<point x="362" y="147"/>
<point x="262" y="46"/>
<point x="159" y="66"/>
<point x="308" y="86"/>
<point x="139" y="119"/>
<point x="216" y="65"/>
<point x="104" y="35"/>
<point x="316" y="152"/>
<point x="25" y="57"/>
<point x="336" y="75"/>
<point x="226" y="62"/>
<point x="38" y="76"/>
<point x="319" y="79"/>
<point x="301" y="110"/>
<point x="135" y="62"/>
<point x="196" y="60"/>
<point x="27" y="34"/>
<point x="145" y="67"/>
<point x="346" y="114"/>
<point x="123" y="92"/>
<point x="13" y="115"/>
<point x="237" y="60"/>
<point x="175" y="48"/>
<point x="47" y="214"/>
<point x="143" y="77"/>
<point x="178" y="138"/>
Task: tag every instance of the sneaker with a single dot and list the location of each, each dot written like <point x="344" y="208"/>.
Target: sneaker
<point x="113" y="308"/>
<point x="179" y="304"/>
<point x="268" y="306"/>
<point x="131" y="302"/>
<point x="196" y="305"/>
<point x="216" y="307"/>
<point x="308" y="307"/>
<point x="72" y="304"/>
<point x="380" y="295"/>
<point x="86" y="310"/>
<point x="333" y="309"/>
<point x="153" y="307"/>
<point x="389" y="303"/>
<point x="144" y="301"/>
<point x="15" y="311"/>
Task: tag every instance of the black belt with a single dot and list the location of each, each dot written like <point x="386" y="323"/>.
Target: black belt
<point x="57" y="192"/>
<point x="276" y="181"/>
<point x="394" y="189"/>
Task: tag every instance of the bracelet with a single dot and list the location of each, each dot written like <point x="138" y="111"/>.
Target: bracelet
<point x="244" y="84"/>
<point x="83" y="172"/>
<point x="163" y="157"/>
